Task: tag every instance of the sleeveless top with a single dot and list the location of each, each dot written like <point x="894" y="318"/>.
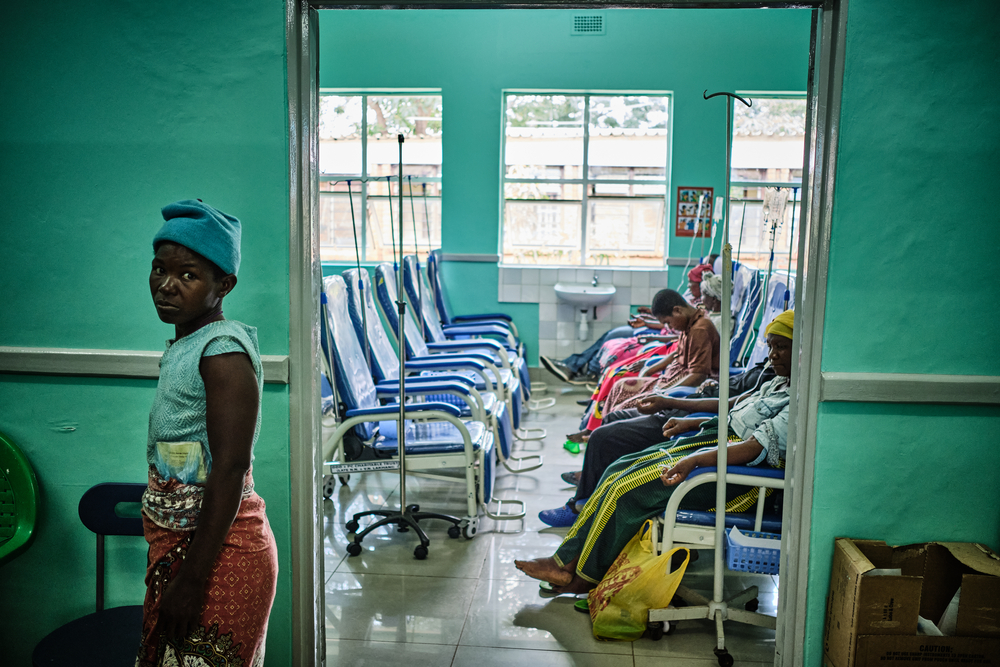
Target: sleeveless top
<point x="179" y="410"/>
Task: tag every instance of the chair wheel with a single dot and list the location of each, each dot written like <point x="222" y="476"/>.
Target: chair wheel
<point x="469" y="531"/>
<point x="752" y="605"/>
<point x="329" y="486"/>
<point x="655" y="630"/>
<point x="725" y="660"/>
<point x="413" y="508"/>
<point x="352" y="526"/>
<point x="420" y="552"/>
<point x="353" y="549"/>
<point x="454" y="532"/>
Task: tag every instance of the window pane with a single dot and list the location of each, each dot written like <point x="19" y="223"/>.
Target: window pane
<point x="768" y="140"/>
<point x="342" y="125"/>
<point x="542" y="232"/>
<point x="418" y="118"/>
<point x="628" y="137"/>
<point x="340" y="134"/>
<point x="750" y="231"/>
<point x="544" y="136"/>
<point x="336" y="231"/>
<point x="557" y="191"/>
<point x="625" y="232"/>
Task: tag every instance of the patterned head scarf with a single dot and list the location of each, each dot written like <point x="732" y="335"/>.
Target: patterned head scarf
<point x="711" y="285"/>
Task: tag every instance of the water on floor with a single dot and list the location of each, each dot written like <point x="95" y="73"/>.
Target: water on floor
<point x="466" y="605"/>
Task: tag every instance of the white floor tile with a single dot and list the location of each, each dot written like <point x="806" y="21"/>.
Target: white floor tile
<point x="510" y="614"/>
<point x="360" y="653"/>
<point x="467" y="605"/>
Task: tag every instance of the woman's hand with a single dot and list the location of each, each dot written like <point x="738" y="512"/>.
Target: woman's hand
<point x="676" y="426"/>
<point x="635" y="366"/>
<point x="707" y="385"/>
<point x="653" y="404"/>
<point x="180" y="607"/>
<point x="677" y="474"/>
<point x="636" y="322"/>
<point x="645" y="310"/>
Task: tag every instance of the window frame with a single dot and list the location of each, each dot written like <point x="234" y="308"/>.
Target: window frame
<point x="364" y="178"/>
<point x="795" y="199"/>
<point x="586" y="180"/>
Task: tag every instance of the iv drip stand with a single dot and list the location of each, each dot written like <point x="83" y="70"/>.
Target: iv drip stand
<point x="407" y="516"/>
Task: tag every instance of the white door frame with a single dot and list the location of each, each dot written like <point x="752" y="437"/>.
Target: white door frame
<point x="305" y="277"/>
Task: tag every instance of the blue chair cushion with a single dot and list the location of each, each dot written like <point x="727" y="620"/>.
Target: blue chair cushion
<point x="438" y="438"/>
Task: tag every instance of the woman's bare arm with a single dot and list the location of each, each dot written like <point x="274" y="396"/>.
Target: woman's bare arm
<point x="232" y="401"/>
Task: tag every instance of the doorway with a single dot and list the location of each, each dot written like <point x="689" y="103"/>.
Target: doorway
<point x="824" y="84"/>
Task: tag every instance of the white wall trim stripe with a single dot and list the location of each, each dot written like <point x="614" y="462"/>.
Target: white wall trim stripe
<point x="910" y="388"/>
<point x="108" y="363"/>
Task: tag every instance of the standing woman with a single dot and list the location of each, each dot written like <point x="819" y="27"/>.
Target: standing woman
<point x="212" y="558"/>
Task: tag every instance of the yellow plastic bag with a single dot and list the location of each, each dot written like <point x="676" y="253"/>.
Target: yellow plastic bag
<point x="635" y="583"/>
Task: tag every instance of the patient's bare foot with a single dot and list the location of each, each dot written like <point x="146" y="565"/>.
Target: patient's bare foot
<point x="546" y="569"/>
<point x="577" y="586"/>
<point x="580" y="437"/>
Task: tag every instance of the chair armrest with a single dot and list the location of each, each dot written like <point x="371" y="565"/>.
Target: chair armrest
<point x="480" y="343"/>
<point x="436" y="386"/>
<point x="482" y="316"/>
<point x="753" y="471"/>
<point x="475" y="330"/>
<point x="445" y="362"/>
<point x="393" y="410"/>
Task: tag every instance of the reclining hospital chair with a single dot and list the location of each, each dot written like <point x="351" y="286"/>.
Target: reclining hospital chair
<point x="441" y="300"/>
<point x="385" y="368"/>
<point x="696" y="530"/>
<point x="504" y="380"/>
<point x="420" y="296"/>
<point x="436" y="436"/>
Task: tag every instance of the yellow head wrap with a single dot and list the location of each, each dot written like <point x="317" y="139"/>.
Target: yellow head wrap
<point x="782" y="325"/>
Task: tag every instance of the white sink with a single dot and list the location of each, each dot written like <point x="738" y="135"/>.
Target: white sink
<point x="585" y="295"/>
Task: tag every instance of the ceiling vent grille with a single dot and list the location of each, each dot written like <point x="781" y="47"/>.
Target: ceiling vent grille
<point x="588" y="24"/>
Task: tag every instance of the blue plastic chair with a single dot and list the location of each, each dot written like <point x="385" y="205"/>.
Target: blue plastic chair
<point x="108" y="637"/>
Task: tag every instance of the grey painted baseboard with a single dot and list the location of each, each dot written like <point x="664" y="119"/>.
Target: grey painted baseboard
<point x="910" y="388"/>
<point x="108" y="363"/>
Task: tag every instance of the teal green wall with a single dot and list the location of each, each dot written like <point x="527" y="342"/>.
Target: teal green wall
<point x="913" y="220"/>
<point x="110" y="110"/>
<point x="473" y="56"/>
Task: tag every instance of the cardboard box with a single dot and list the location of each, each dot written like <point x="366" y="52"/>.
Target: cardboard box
<point x="872" y="620"/>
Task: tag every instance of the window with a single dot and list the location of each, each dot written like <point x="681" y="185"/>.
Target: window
<point x="766" y="178"/>
<point x="585" y="179"/>
<point x="358" y="150"/>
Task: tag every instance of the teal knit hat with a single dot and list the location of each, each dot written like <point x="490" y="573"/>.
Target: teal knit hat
<point x="208" y="231"/>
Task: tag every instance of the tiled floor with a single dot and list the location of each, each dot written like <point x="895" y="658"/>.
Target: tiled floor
<point x="467" y="606"/>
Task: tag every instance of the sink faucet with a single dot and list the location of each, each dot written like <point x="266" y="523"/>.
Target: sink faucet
<point x="594" y="281"/>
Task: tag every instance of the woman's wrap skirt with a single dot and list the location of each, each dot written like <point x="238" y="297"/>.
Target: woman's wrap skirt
<point x="239" y="592"/>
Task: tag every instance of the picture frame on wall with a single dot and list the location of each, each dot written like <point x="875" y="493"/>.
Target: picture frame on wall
<point x="688" y="220"/>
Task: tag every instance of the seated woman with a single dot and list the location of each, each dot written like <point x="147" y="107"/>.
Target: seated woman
<point x="637" y="486"/>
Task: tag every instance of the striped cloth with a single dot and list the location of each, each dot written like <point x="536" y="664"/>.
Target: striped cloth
<point x="630" y="492"/>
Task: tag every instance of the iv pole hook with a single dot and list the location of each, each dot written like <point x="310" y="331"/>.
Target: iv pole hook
<point x="734" y="95"/>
